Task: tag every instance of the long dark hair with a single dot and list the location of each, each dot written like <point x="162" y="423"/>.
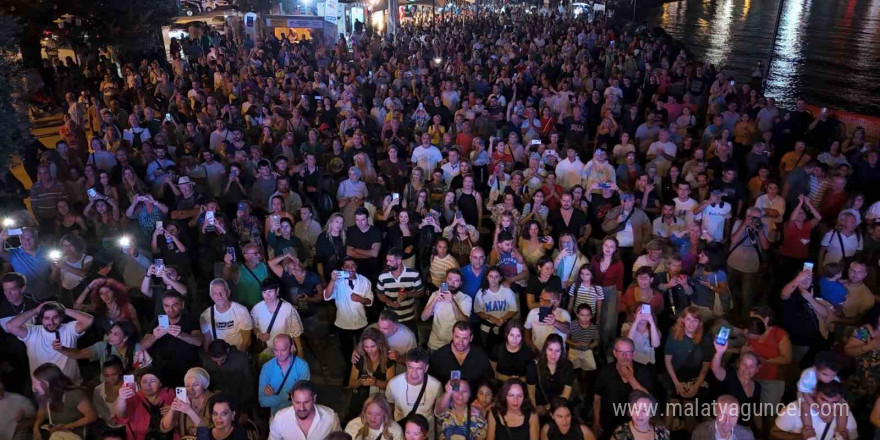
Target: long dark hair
<point x="501" y="398"/>
<point x="131" y="339"/>
<point x="553" y="429"/>
<point x="57" y="382"/>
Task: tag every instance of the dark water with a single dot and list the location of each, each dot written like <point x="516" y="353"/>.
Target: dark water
<point x="826" y="51"/>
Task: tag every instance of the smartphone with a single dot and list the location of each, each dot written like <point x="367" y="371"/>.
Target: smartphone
<point x="457" y="214"/>
<point x="455" y="379"/>
<point x="544" y="239"/>
<point x="319" y="98"/>
<point x="604" y="185"/>
<point x="180" y="393"/>
<point x="535" y="142"/>
<point x="824" y="110"/>
<point x="209" y="217"/>
<point x="231" y="251"/>
<point x="646" y="309"/>
<point x="723" y="334"/>
<point x="128" y="379"/>
<point x="13" y="232"/>
<point x="569" y="246"/>
<point x="395" y="196"/>
<point x="371" y="74"/>
<point x="159" y="224"/>
<point x="543" y="313"/>
<point x="167" y="116"/>
<point x="159" y="263"/>
<point x="808" y="266"/>
<point x="732" y="82"/>
<point x="444" y="287"/>
<point x="341" y="274"/>
<point x="93" y="192"/>
<point x="303" y="96"/>
<point x="163" y="321"/>
<point x="57" y="335"/>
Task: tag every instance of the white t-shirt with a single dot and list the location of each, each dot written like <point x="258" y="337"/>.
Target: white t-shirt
<point x="790" y="421"/>
<point x="403" y="396"/>
<point x="10" y="405"/>
<point x="351" y="315"/>
<point x="778" y="204"/>
<point x="444" y="319"/>
<point x="495" y="304"/>
<point x="287" y="321"/>
<point x="40" y="351"/>
<point x="229" y="324"/>
<point x="357" y="423"/>
<point x="427" y="158"/>
<point x="625" y="236"/>
<point x="658" y="148"/>
<point x="833" y="253"/>
<point x="685" y="210"/>
<point x="713" y="218"/>
<point x="540" y="331"/>
<point x="568" y="174"/>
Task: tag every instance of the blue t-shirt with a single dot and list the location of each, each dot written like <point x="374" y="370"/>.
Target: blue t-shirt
<point x="832" y="291"/>
<point x="471" y="283"/>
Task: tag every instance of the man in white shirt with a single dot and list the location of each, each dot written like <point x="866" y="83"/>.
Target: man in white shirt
<point x="846" y="235"/>
<point x="684" y="204"/>
<point x="568" y="170"/>
<point x="404" y="391"/>
<point x="14" y="408"/>
<point x="44" y="341"/>
<point x="715" y="215"/>
<point x="830" y="407"/>
<point x="452" y="167"/>
<point x="662" y="152"/>
<point x="447" y="306"/>
<point x="664" y="225"/>
<point x="353" y="293"/>
<point x="226" y="319"/>
<point x="426" y="155"/>
<point x="555" y="320"/>
<point x="305" y="420"/>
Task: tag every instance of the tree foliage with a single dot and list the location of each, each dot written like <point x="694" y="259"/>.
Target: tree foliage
<point x="14" y="123"/>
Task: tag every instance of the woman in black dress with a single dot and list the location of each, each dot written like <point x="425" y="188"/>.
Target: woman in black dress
<point x="511" y="359"/>
<point x="550" y="376"/>
<point x="513" y="417"/>
<point x="223" y="413"/>
<point x="564" y="425"/>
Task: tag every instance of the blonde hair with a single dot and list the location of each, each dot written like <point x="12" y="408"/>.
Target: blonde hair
<point x="334" y="216"/>
<point x="364" y="432"/>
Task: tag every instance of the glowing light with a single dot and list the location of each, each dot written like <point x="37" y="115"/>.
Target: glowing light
<point x="125" y="241"/>
<point x="8" y="222"/>
<point x="55" y="255"/>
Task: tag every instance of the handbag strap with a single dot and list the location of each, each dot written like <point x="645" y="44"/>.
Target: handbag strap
<point x="415" y="407"/>
<point x="213" y="324"/>
<point x="503" y="423"/>
<point x="541" y="385"/>
<point x="274" y="315"/>
<point x="253" y="275"/>
<point x="284" y="380"/>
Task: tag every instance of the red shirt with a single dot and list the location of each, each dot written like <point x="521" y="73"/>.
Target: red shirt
<point x="796" y="242"/>
<point x="768" y="349"/>
<point x="628" y="301"/>
<point x="137" y="420"/>
<point x="611" y="277"/>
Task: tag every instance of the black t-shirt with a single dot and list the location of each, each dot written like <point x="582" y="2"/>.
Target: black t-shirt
<point x="734" y="192"/>
<point x="534" y="286"/>
<point x="172" y="356"/>
<point x="11" y="348"/>
<point x="731" y="385"/>
<point x="575" y="224"/>
<point x="329" y="251"/>
<point x="358" y="239"/>
<point x="475" y="369"/>
<point x="615" y="392"/>
<point x="575" y="130"/>
<point x="293" y="288"/>
<point x="512" y="364"/>
<point x="599" y="207"/>
<point x="551" y="385"/>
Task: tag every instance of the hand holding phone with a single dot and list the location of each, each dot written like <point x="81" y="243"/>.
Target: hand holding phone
<point x="455" y="379"/>
<point x="163" y="321"/>
<point x="180" y="393"/>
<point x="723" y="335"/>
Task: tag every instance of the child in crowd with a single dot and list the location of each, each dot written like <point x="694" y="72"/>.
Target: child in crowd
<point x="830" y="287"/>
<point x="825" y="370"/>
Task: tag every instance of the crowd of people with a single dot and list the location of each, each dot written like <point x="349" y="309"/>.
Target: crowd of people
<point x="508" y="224"/>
